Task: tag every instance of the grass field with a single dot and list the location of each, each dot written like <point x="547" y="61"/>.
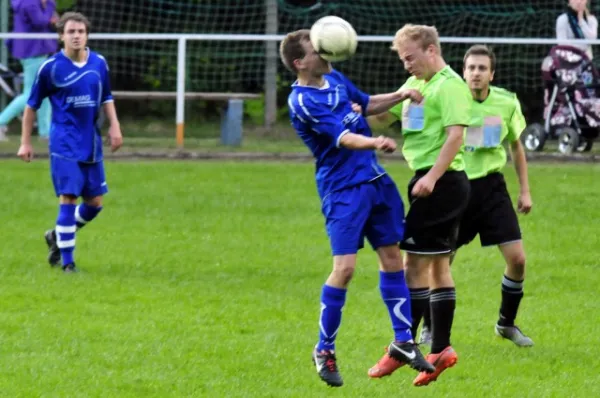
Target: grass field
<point x="152" y="135"/>
<point x="202" y="279"/>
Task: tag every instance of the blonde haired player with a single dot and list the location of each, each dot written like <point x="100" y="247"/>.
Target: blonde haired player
<point x="433" y="131"/>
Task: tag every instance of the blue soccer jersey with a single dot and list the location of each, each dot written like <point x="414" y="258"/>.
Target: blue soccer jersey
<point x="321" y="116"/>
<point x="77" y="93"/>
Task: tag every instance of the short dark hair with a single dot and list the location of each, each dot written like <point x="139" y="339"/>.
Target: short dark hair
<point x="75" y="17"/>
<point x="481" y="49"/>
<point x="291" y="48"/>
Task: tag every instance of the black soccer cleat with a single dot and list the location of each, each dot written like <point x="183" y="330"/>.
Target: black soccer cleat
<point x="327" y="369"/>
<point x="53" y="250"/>
<point x="69" y="268"/>
<point x="410" y="354"/>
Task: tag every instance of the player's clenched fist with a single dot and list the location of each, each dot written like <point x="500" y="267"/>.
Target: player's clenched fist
<point x="115" y="137"/>
<point x="25" y="152"/>
<point x="385" y="144"/>
<point x="414" y="95"/>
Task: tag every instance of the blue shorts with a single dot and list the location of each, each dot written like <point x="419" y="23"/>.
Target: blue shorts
<point x="71" y="177"/>
<point x="373" y="210"/>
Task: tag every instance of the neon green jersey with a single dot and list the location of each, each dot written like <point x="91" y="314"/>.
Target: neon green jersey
<point x="447" y="102"/>
<point x="495" y="120"/>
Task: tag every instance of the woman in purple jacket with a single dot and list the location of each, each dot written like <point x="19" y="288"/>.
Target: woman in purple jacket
<point x="31" y="16"/>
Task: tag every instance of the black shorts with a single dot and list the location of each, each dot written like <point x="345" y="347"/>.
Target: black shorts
<point x="490" y="213"/>
<point x="432" y="222"/>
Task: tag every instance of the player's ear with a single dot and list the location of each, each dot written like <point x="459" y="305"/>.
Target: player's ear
<point x="492" y="76"/>
<point x="431" y="49"/>
<point x="298" y="63"/>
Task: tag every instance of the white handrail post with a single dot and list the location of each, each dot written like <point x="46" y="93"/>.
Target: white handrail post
<point x="181" y="65"/>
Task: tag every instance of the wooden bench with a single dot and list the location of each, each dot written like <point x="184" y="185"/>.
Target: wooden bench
<point x="231" y="120"/>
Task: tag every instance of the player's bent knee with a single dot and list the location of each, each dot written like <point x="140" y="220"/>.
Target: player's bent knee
<point x="343" y="268"/>
<point x="95" y="201"/>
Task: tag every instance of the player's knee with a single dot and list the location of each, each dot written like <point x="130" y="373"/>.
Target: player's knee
<point x="390" y="258"/>
<point x="95" y="201"/>
<point x="68" y="199"/>
<point x="517" y="264"/>
<point x="417" y="269"/>
<point x="440" y="270"/>
<point x="343" y="270"/>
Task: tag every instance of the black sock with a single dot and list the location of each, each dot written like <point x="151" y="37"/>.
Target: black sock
<point x="443" y="303"/>
<point x="427" y="318"/>
<point x="512" y="293"/>
<point x="419" y="301"/>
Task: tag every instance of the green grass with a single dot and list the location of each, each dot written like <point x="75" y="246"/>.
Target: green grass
<point x="169" y="146"/>
<point x="203" y="279"/>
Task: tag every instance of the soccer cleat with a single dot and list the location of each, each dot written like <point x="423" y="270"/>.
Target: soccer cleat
<point x="53" y="250"/>
<point x="442" y="361"/>
<point x="398" y="355"/>
<point x="69" y="268"/>
<point x="425" y="338"/>
<point x="514" y="334"/>
<point x="327" y="369"/>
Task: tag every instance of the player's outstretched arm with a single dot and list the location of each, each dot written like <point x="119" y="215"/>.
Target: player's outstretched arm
<point x="361" y="142"/>
<point x="114" y="129"/>
<point x="383" y="102"/>
<point x="25" y="150"/>
<point x="524" y="202"/>
<point x="380" y="121"/>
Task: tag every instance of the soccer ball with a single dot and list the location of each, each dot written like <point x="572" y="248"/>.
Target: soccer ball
<point x="333" y="38"/>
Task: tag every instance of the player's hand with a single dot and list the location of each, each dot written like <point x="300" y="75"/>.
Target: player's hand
<point x="414" y="95"/>
<point x="524" y="203"/>
<point x="385" y="144"/>
<point x="424" y="186"/>
<point x="115" y="137"/>
<point x="25" y="152"/>
<point x="357" y="108"/>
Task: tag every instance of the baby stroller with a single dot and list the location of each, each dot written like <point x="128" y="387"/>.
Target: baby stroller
<point x="571" y="102"/>
<point x="10" y="82"/>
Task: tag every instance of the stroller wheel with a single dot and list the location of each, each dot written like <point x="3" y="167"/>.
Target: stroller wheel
<point x="568" y="140"/>
<point x="534" y="137"/>
<point x="585" y="144"/>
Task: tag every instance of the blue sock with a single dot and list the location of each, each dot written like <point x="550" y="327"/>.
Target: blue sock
<point x="65" y="232"/>
<point x="396" y="297"/>
<point x="332" y="302"/>
<point x="85" y="213"/>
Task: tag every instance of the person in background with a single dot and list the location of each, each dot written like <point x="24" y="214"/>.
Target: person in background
<point x="31" y="16"/>
<point x="577" y="23"/>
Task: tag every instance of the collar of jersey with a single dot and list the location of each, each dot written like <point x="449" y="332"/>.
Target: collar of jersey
<point x="325" y="86"/>
<point x="87" y="49"/>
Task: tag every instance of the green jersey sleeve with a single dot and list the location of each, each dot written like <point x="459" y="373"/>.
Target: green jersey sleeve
<point x="517" y="123"/>
<point x="455" y="102"/>
<point x="396" y="110"/>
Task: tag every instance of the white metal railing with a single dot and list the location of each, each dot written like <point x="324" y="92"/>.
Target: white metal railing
<point x="183" y="38"/>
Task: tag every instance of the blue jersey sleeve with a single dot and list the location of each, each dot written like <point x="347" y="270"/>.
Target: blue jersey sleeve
<point x="41" y="87"/>
<point x="106" y="91"/>
<point x="355" y="94"/>
<point x="319" y="118"/>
